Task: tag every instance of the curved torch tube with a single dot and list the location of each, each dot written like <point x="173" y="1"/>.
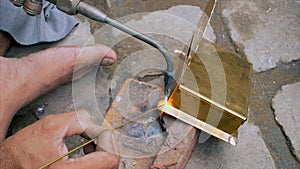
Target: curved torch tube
<point x="95" y="14"/>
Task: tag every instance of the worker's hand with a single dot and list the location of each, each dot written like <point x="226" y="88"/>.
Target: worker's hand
<point x="43" y="141"/>
<point x="40" y="72"/>
<point x="22" y="80"/>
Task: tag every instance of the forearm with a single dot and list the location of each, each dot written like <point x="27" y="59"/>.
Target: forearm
<point x="8" y="94"/>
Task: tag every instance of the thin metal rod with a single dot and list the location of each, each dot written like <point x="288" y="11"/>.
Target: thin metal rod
<point x="66" y="154"/>
<point x="90" y="141"/>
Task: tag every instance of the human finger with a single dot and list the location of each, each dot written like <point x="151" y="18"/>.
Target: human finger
<point x="72" y="123"/>
<point x="107" y="142"/>
<point x="95" y="160"/>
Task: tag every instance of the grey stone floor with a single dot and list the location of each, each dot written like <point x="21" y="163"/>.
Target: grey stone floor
<point x="286" y="106"/>
<point x="266" y="33"/>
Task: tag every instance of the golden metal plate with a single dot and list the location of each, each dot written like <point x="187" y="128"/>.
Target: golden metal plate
<point x="213" y="91"/>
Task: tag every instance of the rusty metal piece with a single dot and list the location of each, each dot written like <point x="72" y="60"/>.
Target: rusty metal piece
<point x="133" y="97"/>
<point x="137" y="141"/>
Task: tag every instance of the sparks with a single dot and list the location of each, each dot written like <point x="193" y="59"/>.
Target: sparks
<point x="165" y="105"/>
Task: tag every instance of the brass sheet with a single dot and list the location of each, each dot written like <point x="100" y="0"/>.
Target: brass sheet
<point x="214" y="88"/>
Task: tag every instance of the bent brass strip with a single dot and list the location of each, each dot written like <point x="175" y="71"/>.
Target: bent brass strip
<point x="172" y="111"/>
<point x="206" y="99"/>
<point x="202" y="25"/>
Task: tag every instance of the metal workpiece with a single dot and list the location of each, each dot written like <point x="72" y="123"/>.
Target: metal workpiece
<point x="213" y="90"/>
<point x="213" y="93"/>
<point x="203" y="126"/>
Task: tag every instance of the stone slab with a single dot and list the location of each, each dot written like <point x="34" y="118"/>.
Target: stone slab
<point x="268" y="30"/>
<point x="250" y="152"/>
<point x="177" y="22"/>
<point x="287" y="113"/>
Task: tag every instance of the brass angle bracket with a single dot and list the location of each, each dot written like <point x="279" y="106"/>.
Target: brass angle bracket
<point x="213" y="90"/>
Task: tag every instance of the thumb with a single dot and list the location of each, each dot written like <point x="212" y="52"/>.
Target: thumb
<point x="90" y="56"/>
<point x="96" y="54"/>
